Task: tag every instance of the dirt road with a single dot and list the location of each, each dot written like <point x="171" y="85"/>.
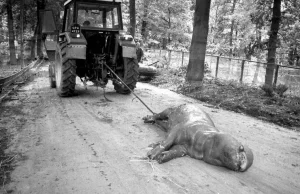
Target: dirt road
<point x="85" y="144"/>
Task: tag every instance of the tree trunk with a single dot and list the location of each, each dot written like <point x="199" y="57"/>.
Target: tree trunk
<point x="231" y="29"/>
<point x="292" y="54"/>
<point x="21" y="33"/>
<point x="12" y="49"/>
<point x="144" y="32"/>
<point x="164" y="43"/>
<point x="132" y="17"/>
<point x="272" y="42"/>
<point x="33" y="44"/>
<point x="1" y="30"/>
<point x="170" y="25"/>
<point x="40" y="6"/>
<point x="195" y="70"/>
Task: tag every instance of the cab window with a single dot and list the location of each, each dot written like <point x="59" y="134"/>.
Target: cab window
<point x="98" y="16"/>
<point x="70" y="16"/>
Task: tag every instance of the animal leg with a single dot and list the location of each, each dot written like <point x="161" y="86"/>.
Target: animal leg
<point x="176" y="151"/>
<point x="163" y="145"/>
<point x="159" y="148"/>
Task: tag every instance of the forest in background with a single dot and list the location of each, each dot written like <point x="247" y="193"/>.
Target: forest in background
<point x="237" y="28"/>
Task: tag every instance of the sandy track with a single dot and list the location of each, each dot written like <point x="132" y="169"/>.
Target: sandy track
<point x="85" y="144"/>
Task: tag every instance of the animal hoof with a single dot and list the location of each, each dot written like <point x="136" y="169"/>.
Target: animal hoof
<point x="150" y="155"/>
<point x="162" y="157"/>
<point x="154" y="153"/>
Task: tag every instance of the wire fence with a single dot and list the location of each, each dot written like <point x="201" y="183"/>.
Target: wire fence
<point x="239" y="70"/>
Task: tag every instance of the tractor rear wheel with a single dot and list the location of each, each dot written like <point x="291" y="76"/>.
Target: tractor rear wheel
<point x="52" y="76"/>
<point x="129" y="76"/>
<point x="65" y="72"/>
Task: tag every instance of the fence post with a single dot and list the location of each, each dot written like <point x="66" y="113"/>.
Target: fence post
<point x="242" y="71"/>
<point x="160" y="52"/>
<point x="217" y="66"/>
<point x="182" y="58"/>
<point x="276" y="75"/>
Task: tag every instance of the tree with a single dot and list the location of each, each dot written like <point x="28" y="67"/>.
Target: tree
<point x="144" y="25"/>
<point x="132" y="17"/>
<point x="11" y="34"/>
<point x="272" y="44"/>
<point x="195" y="70"/>
<point x="22" y="32"/>
<point x="40" y="6"/>
<point x="166" y="22"/>
<point x="232" y="28"/>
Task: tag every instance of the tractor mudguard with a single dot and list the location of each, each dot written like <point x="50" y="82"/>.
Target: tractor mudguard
<point x="76" y="47"/>
<point x="128" y="46"/>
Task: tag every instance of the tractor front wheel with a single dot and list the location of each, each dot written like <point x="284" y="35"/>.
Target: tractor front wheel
<point x="129" y="76"/>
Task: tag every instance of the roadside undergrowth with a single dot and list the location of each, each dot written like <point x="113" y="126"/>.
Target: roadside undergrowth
<point x="270" y="104"/>
<point x="5" y="159"/>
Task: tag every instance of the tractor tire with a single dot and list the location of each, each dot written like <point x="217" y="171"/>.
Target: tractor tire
<point x="65" y="72"/>
<point x="129" y="76"/>
<point x="52" y="76"/>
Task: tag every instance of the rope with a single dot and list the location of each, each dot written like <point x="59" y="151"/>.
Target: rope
<point x="128" y="88"/>
<point x="105" y="96"/>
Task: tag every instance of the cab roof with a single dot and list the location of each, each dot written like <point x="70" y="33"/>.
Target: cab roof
<point x="96" y="1"/>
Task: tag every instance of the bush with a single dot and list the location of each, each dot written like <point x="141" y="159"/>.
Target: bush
<point x="281" y="89"/>
<point x="268" y="90"/>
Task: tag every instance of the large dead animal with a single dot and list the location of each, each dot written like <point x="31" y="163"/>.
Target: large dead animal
<point x="192" y="132"/>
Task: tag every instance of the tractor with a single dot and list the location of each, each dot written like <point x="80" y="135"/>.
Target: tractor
<point x="91" y="45"/>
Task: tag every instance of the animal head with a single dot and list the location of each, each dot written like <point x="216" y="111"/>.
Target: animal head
<point x="237" y="157"/>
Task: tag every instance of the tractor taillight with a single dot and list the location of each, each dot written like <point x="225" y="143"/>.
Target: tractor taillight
<point x="75" y="31"/>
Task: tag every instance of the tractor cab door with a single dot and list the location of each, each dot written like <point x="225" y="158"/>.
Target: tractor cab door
<point x="69" y="17"/>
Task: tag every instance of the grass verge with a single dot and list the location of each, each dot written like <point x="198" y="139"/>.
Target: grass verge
<point x="257" y="102"/>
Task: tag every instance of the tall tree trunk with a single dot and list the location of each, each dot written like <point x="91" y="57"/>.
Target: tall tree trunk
<point x="195" y="70"/>
<point x="272" y="42"/>
<point x="12" y="49"/>
<point x="231" y="29"/>
<point x="292" y="54"/>
<point x="144" y="32"/>
<point x="33" y="44"/>
<point x="132" y="17"/>
<point x="213" y="29"/>
<point x="40" y="6"/>
<point x="1" y="30"/>
<point x="258" y="28"/>
<point x="230" y="68"/>
<point x="170" y="25"/>
<point x="21" y="32"/>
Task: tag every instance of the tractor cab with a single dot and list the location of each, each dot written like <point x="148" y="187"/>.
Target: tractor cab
<point x="93" y="15"/>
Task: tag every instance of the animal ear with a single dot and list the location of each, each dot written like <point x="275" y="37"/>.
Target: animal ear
<point x="241" y="148"/>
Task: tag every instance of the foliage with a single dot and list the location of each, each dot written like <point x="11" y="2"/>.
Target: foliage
<point x="5" y="159"/>
<point x="271" y="91"/>
<point x="241" y="98"/>
<point x="169" y="23"/>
